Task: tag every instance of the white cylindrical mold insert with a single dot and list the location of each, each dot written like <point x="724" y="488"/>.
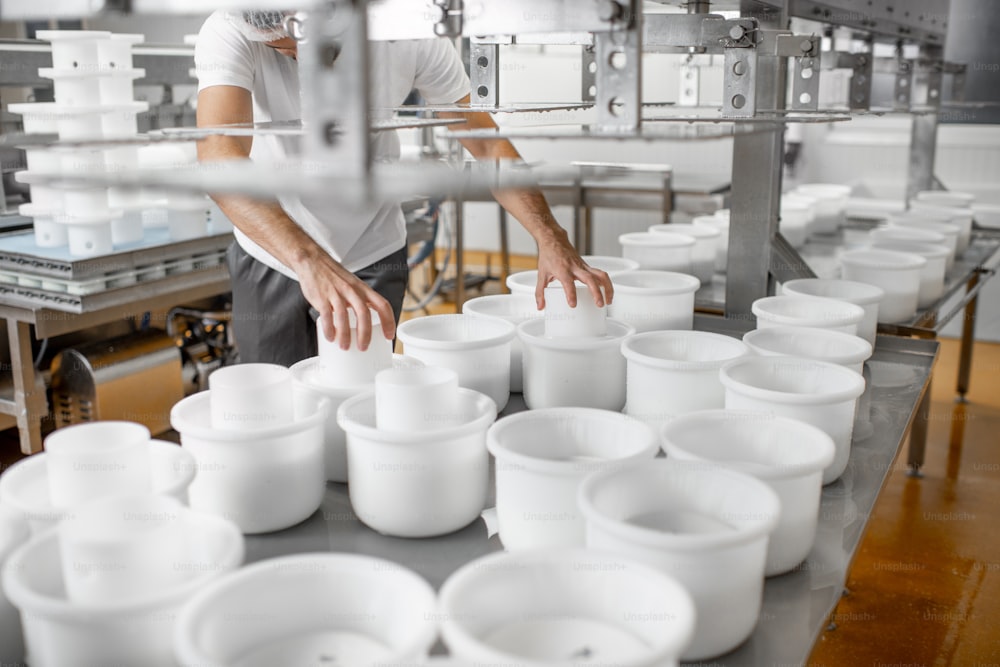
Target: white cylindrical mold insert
<point x="353" y="367"/>
<point x="96" y="460"/>
<point x="249" y="397"/>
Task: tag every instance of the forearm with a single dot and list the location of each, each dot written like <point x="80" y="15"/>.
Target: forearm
<point x="267" y="225"/>
<point x="527" y="205"/>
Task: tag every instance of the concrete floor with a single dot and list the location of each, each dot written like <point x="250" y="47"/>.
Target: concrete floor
<point x="925" y="584"/>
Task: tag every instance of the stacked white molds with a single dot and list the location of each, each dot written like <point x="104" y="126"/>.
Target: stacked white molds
<point x="572" y="357"/>
<point x="92" y="74"/>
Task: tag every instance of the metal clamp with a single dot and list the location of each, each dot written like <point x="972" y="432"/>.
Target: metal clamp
<point x="484" y="74"/>
<point x="667" y="33"/>
<point x="804" y="50"/>
<point x="739" y="99"/>
<point x="588" y="74"/>
<point x="450" y="22"/>
<point x="619" y="75"/>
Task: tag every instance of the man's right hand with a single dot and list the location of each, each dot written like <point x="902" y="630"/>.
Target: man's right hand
<point x="332" y="290"/>
<point x="327" y="286"/>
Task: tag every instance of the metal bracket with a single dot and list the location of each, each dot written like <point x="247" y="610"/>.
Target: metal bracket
<point x="861" y="82"/>
<point x="805" y="84"/>
<point x="588" y="74"/>
<point x="666" y="33"/>
<point x="335" y="100"/>
<point x="902" y="91"/>
<point x="619" y="75"/>
<point x="957" y="71"/>
<point x="484" y="73"/>
<point x="786" y="262"/>
<point x="450" y="21"/>
<point x="690" y="85"/>
<point x="739" y="99"/>
<point x="929" y="77"/>
<point x="517" y="17"/>
<point x="804" y="51"/>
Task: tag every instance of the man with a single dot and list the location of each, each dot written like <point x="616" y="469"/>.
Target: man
<point x="293" y="255"/>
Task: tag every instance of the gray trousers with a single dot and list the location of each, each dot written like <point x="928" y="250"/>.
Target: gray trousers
<point x="273" y="322"/>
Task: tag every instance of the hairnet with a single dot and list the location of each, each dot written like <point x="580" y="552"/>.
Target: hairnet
<point x="259" y="26"/>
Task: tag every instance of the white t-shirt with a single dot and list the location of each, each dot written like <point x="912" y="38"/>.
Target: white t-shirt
<point x="224" y="57"/>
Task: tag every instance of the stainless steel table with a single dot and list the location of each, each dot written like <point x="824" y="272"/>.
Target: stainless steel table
<point x="797" y="605"/>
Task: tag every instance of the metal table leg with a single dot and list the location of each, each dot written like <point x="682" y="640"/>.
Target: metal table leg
<point x="29" y="393"/>
<point x="459" y="255"/>
<point x="968" y="333"/>
<point x="918" y="432"/>
<point x="504" y="251"/>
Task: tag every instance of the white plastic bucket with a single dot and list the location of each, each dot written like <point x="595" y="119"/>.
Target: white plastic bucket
<point x="861" y="294"/>
<point x="670" y="373"/>
<point x="818" y="392"/>
<point x="896" y="273"/>
<point x="418" y="484"/>
<point x="13" y="533"/>
<point x="610" y="264"/>
<point x="476" y="348"/>
<point x="835" y="347"/>
<point x="787" y="454"/>
<point x="895" y="233"/>
<point x="560" y="606"/>
<point x="58" y="632"/>
<point x="353" y="367"/>
<point x="951" y="232"/>
<point x="123" y="549"/>
<point x="24" y="487"/>
<point x="706" y="526"/>
<point x="960" y="216"/>
<point x="654" y="300"/>
<point x="931" y="276"/>
<point x="721" y="224"/>
<point x="574" y="372"/>
<point x="946" y="198"/>
<point x="706" y="241"/>
<point x="659" y="251"/>
<point x="722" y="241"/>
<point x="513" y="308"/>
<point x="795" y="221"/>
<point x="541" y="457"/>
<point x="263" y="480"/>
<point x="807" y="311"/>
<point x="523" y="284"/>
<point x="309" y="376"/>
<point x="303" y="609"/>
<point x="831" y="199"/>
